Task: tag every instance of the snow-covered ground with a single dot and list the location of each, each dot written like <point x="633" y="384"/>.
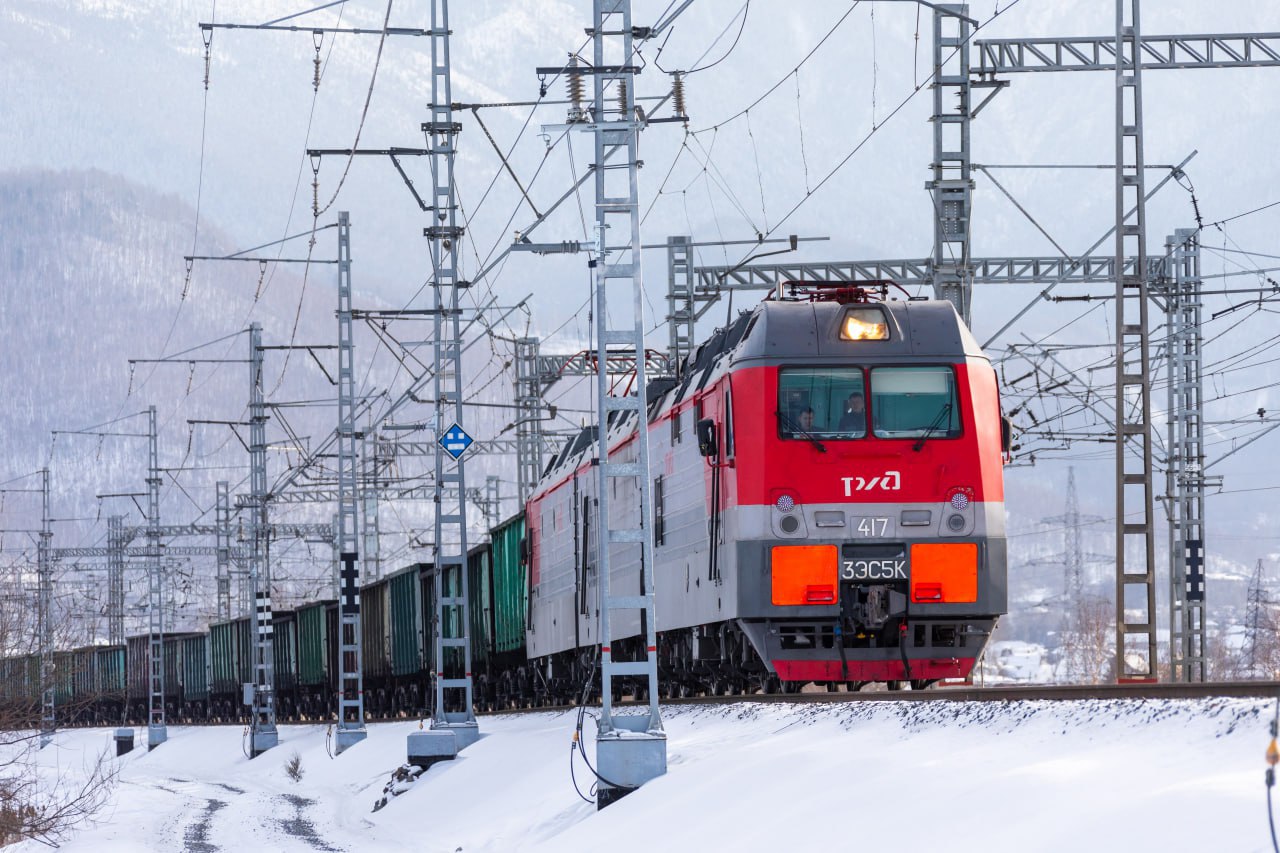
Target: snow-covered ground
<point x="1019" y="776"/>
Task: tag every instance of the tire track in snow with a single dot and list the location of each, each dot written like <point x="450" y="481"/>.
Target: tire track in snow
<point x="301" y="827"/>
<point x="196" y="838"/>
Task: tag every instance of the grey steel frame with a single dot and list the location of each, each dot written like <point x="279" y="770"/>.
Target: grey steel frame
<point x="351" y="721"/>
<point x="1185" y="474"/>
<point x="952" y="184"/>
<point x="1135" y="528"/>
<point x="262" y="723"/>
<point x="444" y="237"/>
<point x="44" y="615"/>
<point x="157" y="732"/>
<point x="618" y="265"/>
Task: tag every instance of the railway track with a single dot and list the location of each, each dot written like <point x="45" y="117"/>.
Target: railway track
<point x="1016" y="693"/>
<point x="1013" y="693"/>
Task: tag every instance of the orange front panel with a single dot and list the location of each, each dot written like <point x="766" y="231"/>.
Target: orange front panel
<point x="944" y="573"/>
<point x="804" y="574"/>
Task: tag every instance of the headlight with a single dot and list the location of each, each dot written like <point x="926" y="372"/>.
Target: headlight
<point x="864" y="324"/>
<point x="785" y="503"/>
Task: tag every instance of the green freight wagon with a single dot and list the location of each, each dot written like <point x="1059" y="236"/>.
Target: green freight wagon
<point x="138" y="686"/>
<point x="63" y="678"/>
<point x="195" y="676"/>
<point x="375" y="634"/>
<point x="317" y="628"/>
<point x="284" y="649"/>
<point x="230" y="665"/>
<point x="84" y="679"/>
<point x="284" y="662"/>
<point x="109" y="668"/>
<point x="480" y="606"/>
<point x="510" y="586"/>
<point x="313" y="644"/>
<point x="406" y="624"/>
<point x="480" y="612"/>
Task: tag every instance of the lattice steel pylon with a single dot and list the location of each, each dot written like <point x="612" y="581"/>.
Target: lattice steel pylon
<point x="1186" y="479"/>
<point x="1255" y="620"/>
<point x="351" y="726"/>
<point x="1135" y="653"/>
<point x="44" y="615"/>
<point x="371" y="552"/>
<point x="454" y="702"/>
<point x="157" y="731"/>
<point x="528" y="393"/>
<point x="222" y="521"/>
<point x="115" y="580"/>
<point x="952" y="184"/>
<point x="681" y="311"/>
<point x="630" y="750"/>
<point x="262" y="720"/>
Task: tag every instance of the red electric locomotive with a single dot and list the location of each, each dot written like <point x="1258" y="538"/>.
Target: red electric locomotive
<point x="828" y="505"/>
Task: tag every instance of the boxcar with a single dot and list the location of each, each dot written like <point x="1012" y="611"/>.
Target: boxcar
<point x="109" y="670"/>
<point x="375" y="637"/>
<point x="195" y="677"/>
<point x="284" y="658"/>
<point x="230" y="666"/>
<point x="317" y="650"/>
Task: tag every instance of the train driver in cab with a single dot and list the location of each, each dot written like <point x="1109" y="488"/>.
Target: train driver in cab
<point x="854" y="418"/>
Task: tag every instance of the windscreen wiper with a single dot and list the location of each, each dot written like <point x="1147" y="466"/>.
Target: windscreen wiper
<point x="943" y="414"/>
<point x="796" y="428"/>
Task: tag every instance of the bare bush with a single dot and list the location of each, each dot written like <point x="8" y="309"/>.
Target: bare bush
<point x="1089" y="642"/>
<point x="293" y="768"/>
<point x="48" y="812"/>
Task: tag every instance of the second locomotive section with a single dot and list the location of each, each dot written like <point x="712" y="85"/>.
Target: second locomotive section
<point x="827" y="506"/>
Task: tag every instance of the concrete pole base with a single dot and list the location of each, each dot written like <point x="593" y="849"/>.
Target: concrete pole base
<point x="156" y="735"/>
<point x="343" y="739"/>
<point x="263" y="739"/>
<point x="431" y="746"/>
<point x="467" y="733"/>
<point x="625" y="760"/>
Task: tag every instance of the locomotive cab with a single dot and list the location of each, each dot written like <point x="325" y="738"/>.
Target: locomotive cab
<point x="870" y="520"/>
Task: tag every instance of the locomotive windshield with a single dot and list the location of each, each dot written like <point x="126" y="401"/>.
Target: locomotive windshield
<point x="832" y="403"/>
<point x="827" y="402"/>
<point x="914" y="402"/>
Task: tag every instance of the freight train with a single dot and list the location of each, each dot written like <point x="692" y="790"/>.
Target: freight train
<point x="827" y="507"/>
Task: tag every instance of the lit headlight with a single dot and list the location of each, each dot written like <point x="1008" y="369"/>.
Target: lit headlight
<point x="960" y="501"/>
<point x="785" y="503"/>
<point x="864" y="324"/>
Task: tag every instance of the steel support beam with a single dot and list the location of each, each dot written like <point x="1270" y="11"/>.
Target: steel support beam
<point x="711" y="282"/>
<point x="454" y="709"/>
<point x="222" y="517"/>
<point x="529" y="405"/>
<point x="952" y="184"/>
<point x="157" y="731"/>
<point x="115" y="580"/>
<point x="681" y="317"/>
<point x="44" y="615"/>
<point x="630" y="749"/>
<point x="351" y="725"/>
<point x="1098" y="53"/>
<point x="371" y="554"/>
<point x="1135" y="529"/>
<point x="1185" y="479"/>
<point x="262" y="721"/>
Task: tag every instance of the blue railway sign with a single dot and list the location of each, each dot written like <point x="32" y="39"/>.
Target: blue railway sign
<point x="455" y="441"/>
